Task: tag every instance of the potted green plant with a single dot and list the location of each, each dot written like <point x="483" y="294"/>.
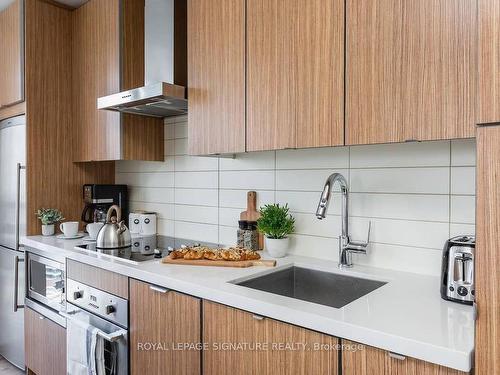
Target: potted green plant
<point x="49" y="217"/>
<point x="276" y="223"/>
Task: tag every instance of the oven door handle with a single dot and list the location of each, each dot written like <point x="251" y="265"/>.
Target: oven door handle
<point x="111" y="337"/>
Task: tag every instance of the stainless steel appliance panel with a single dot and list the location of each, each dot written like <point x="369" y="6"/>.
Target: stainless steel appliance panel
<point x="13" y="181"/>
<point x="46" y="281"/>
<point x="12" y="293"/>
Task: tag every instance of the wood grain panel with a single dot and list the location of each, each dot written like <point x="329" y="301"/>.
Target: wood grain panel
<point x="489" y="61"/>
<point x="360" y="359"/>
<point x="53" y="180"/>
<point x="13" y="110"/>
<point x="45" y="344"/>
<point x="99" y="278"/>
<point x="11" y="64"/>
<point x="411" y="70"/>
<point x="96" y="72"/>
<point x="216" y="75"/>
<point x="295" y="74"/>
<point x="487" y="276"/>
<point x="223" y="324"/>
<point x="132" y="39"/>
<point x="169" y="318"/>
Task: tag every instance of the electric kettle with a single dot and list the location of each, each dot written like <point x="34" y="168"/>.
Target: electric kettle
<point x="114" y="234"/>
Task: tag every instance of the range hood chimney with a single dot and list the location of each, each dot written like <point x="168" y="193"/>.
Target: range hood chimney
<point x="165" y="60"/>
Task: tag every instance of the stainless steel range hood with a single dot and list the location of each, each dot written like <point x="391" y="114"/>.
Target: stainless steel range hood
<point x="163" y="94"/>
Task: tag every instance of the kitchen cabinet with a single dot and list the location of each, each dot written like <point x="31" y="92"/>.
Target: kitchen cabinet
<point x="216" y="76"/>
<point x="489" y="61"/>
<point x="167" y="318"/>
<point x="359" y="359"/>
<point x="411" y="70"/>
<point x="295" y="74"/>
<point x="108" y="57"/>
<point x="226" y="325"/>
<point x="487" y="262"/>
<point x="11" y="58"/>
<point x="45" y="344"/>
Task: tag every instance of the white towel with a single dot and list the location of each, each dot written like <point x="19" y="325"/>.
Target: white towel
<point x="77" y="347"/>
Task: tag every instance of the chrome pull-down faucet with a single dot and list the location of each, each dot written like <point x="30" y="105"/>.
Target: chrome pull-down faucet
<point x="346" y="246"/>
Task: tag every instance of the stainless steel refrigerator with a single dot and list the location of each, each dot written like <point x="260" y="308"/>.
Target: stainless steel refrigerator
<point x="12" y="227"/>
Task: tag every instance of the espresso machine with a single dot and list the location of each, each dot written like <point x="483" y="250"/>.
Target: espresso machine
<point x="99" y="198"/>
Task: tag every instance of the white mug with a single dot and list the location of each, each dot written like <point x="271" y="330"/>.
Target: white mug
<point x="148" y="224"/>
<point x="93" y="229"/>
<point x="69" y="228"/>
<point x="134" y="222"/>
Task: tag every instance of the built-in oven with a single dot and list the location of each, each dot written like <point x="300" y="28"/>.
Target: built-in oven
<point x="45" y="281"/>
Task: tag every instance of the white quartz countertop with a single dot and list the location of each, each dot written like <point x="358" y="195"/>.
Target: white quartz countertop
<point x="405" y="316"/>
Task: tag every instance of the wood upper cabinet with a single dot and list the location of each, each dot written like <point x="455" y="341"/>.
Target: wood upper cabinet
<point x="295" y="74"/>
<point x="487" y="262"/>
<point x="108" y="57"/>
<point x="411" y="70"/>
<point x="359" y="359"/>
<point x="489" y="61"/>
<point x="45" y="344"/>
<point x="266" y="352"/>
<point x="168" y="318"/>
<point x="11" y="55"/>
<point x="216" y="76"/>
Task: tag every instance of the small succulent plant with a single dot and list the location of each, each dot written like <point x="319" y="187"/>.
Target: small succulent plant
<point x="49" y="216"/>
<point x="275" y="221"/>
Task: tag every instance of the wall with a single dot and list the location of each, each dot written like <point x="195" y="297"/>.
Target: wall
<point x="416" y="195"/>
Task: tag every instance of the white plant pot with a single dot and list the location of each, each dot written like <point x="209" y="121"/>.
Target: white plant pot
<point x="48" y="230"/>
<point x="277" y="248"/>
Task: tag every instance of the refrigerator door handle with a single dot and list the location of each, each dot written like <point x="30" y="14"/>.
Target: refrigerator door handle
<point x="17" y="260"/>
<point x="18" y="202"/>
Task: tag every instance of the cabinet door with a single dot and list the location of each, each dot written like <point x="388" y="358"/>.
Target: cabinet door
<point x="168" y="319"/>
<point x="265" y="340"/>
<point x="45" y="344"/>
<point x="11" y="57"/>
<point x="411" y="70"/>
<point x="359" y="359"/>
<point x="489" y="61"/>
<point x="487" y="277"/>
<point x="216" y="76"/>
<point x="295" y="74"/>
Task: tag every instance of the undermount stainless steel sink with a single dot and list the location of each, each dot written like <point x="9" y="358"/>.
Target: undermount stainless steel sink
<point x="324" y="288"/>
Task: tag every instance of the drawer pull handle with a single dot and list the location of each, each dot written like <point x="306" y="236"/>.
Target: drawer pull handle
<point x="158" y="289"/>
<point x="397" y="356"/>
<point x="257" y="317"/>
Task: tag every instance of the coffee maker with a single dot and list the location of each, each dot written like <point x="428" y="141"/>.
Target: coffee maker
<point x="99" y="198"/>
<point x="457" y="270"/>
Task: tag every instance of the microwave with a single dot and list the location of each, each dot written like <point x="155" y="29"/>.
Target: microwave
<point x="46" y="281"/>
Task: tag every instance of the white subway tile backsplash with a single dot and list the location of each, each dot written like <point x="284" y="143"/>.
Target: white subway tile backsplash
<point x="463" y="152"/>
<point x="463" y="209"/>
<point x="401" y="180"/>
<point x="249" y="161"/>
<point x="401" y="206"/>
<point x="414" y="154"/>
<point x="248" y="180"/>
<point x="315" y="158"/>
<point x="304" y="180"/>
<point x="463" y="180"/>
<point x="416" y="195"/>
<point x="196" y="180"/>
<point x="238" y="198"/>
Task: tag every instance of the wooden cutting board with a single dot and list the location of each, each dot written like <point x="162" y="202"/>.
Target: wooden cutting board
<point x="220" y="263"/>
<point x="251" y="213"/>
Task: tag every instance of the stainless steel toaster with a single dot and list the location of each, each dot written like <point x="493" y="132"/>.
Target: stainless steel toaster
<point x="457" y="270"/>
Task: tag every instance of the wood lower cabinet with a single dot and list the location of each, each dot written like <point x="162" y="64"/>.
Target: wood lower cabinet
<point x="45" y="344"/>
<point x="411" y="70"/>
<point x="11" y="56"/>
<point x="266" y="339"/>
<point x="487" y="262"/>
<point x="161" y="321"/>
<point x="295" y="74"/>
<point x="489" y="61"/>
<point x="359" y="359"/>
